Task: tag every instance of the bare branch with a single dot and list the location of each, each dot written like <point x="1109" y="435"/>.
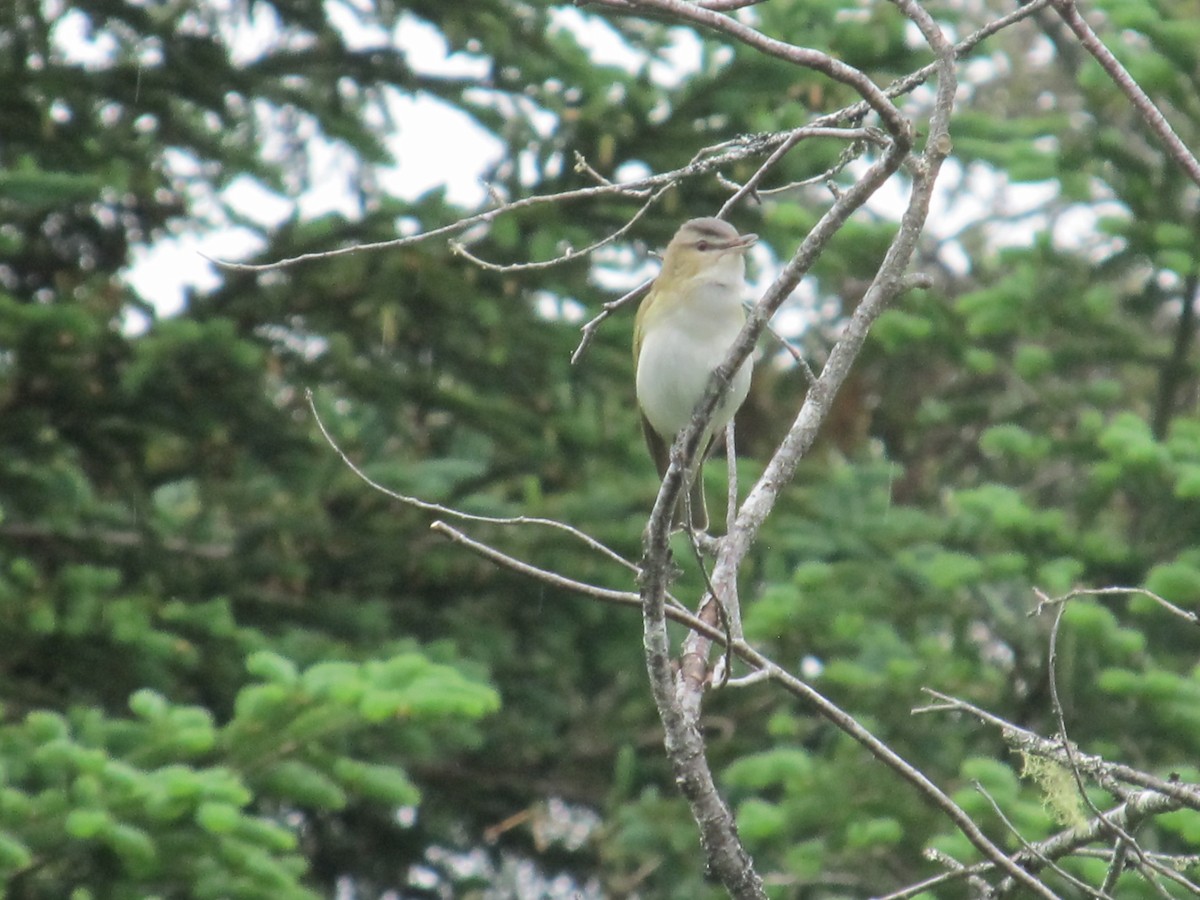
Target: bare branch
<point x="583" y="166"/>
<point x="765" y="669"/>
<point x="438" y="509"/>
<point x="678" y="708"/>
<point x="1032" y="852"/>
<point x="810" y="377"/>
<point x="727" y="5"/>
<point x="553" y="579"/>
<point x="1115" y="866"/>
<point x="683" y="741"/>
<point x="758" y="676"/>
<point x="914" y="776"/>
<point x="750" y="188"/>
<point x="1106" y="774"/>
<point x="544" y="575"/>
<point x="708" y="160"/>
<point x="896" y="124"/>
<point x="572" y="254"/>
<point x="922" y="887"/>
<point x="1136" y="809"/>
<point x="592" y="326"/>
<point x="731" y="490"/>
<point x="1126" y="816"/>
<point x="1151" y="115"/>
<point x="1065" y="739"/>
<point x="1044" y="601"/>
<point x="887" y="284"/>
<point x="1169" y="872"/>
<point x="635" y="189"/>
<point x="908" y="83"/>
<point x="685" y="748"/>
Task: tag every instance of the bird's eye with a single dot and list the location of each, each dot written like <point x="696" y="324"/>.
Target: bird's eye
<point x="701" y="246"/>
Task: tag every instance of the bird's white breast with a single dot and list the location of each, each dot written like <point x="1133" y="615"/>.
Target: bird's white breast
<point x="681" y="348"/>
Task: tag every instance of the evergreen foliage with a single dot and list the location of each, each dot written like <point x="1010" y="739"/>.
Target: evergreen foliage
<point x="230" y="669"/>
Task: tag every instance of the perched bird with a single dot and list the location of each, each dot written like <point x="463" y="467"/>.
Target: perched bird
<point x="684" y="329"/>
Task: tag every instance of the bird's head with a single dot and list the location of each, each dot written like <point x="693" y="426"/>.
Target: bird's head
<point x="703" y="245"/>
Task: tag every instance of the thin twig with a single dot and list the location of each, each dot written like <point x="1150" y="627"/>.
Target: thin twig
<point x="636" y="189"/>
<point x="751" y="186"/>
<point x="1171" y="873"/>
<point x="724" y="609"/>
<point x="605" y="595"/>
<point x="1105" y="773"/>
<point x="884" y="288"/>
<point x="799" y="134"/>
<point x="707" y="160"/>
<point x="1126" y="816"/>
<point x="810" y="376"/>
<point x="731" y="151"/>
<point x="851" y="153"/>
<point x="731" y="487"/>
<point x="756" y="677"/>
<point x="1064" y="738"/>
<point x="1115" y="866"/>
<point x="893" y="121"/>
<point x="584" y="167"/>
<point x="1044" y="601"/>
<point x="914" y="776"/>
<point x="590" y="328"/>
<point x="922" y="887"/>
<point x="1060" y="717"/>
<point x="1151" y="114"/>
<point x="1032" y="851"/>
<point x="1073" y="841"/>
<point x="1068" y="841"/>
<point x="727" y="5"/>
<point x="908" y="83"/>
<point x="572" y="254"/>
<point x="438" y="509"/>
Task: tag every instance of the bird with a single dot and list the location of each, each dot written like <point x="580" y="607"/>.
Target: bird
<point x="684" y="328"/>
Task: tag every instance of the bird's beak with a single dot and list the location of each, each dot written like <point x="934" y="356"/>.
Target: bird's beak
<point x="743" y="242"/>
